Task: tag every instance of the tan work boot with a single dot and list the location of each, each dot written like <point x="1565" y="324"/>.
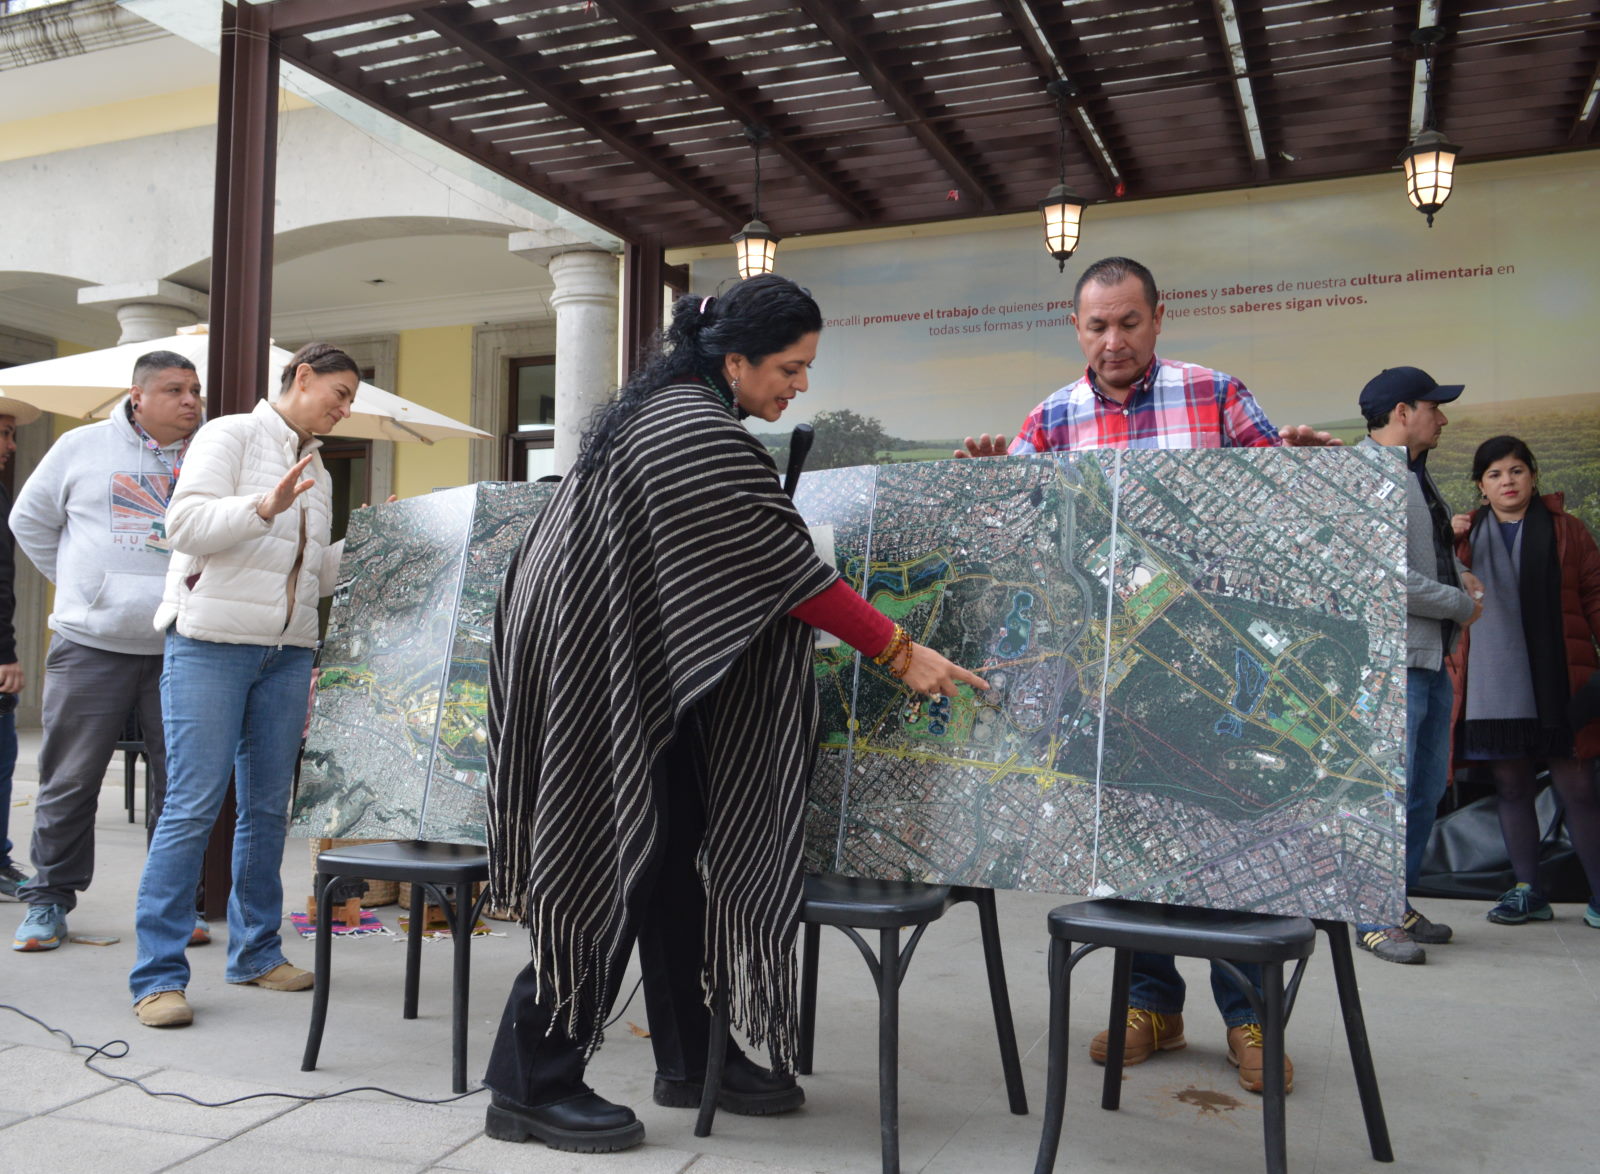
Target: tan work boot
<point x="1148" y="1032"/>
<point x="167" y="1009"/>
<point x="282" y="977"/>
<point x="1244" y="1053"/>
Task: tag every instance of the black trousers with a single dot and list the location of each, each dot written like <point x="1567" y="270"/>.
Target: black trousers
<point x="534" y="1062"/>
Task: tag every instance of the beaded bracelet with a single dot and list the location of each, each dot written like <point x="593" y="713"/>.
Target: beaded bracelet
<point x="903" y="667"/>
<point x="898" y="640"/>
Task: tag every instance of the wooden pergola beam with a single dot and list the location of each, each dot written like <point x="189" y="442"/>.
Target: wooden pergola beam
<point x="285" y="17"/>
<point x="649" y="33"/>
<point x="327" y="67"/>
<point x="545" y="86"/>
<point x="1583" y="124"/>
<point x="1051" y="68"/>
<point x="905" y="107"/>
<point x="1242" y="110"/>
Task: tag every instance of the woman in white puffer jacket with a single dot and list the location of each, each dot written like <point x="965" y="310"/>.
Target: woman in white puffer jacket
<point x="249" y="528"/>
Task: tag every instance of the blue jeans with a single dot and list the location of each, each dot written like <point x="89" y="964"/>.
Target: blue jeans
<point x="1156" y="985"/>
<point x="1429" y="699"/>
<point x="8" y="764"/>
<point x="227" y="707"/>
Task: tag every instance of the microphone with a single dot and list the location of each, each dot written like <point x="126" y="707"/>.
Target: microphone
<point x="799" y="448"/>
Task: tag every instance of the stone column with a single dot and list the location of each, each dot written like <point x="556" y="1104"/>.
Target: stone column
<point x="585" y="305"/>
<point x="585" y="302"/>
<point x="147" y="309"/>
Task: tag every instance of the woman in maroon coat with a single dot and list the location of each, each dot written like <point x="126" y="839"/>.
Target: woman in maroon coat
<point x="1525" y="658"/>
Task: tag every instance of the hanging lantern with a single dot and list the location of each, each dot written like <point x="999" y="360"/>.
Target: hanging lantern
<point x="1062" y="210"/>
<point x="1430" y="163"/>
<point x="755" y="249"/>
<point x="755" y="246"/>
<point x="1429" y="159"/>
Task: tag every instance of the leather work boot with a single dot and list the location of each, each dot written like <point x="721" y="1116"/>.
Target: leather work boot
<point x="282" y="977"/>
<point x="583" y="1123"/>
<point x="1148" y="1032"/>
<point x="167" y="1009"/>
<point x="1244" y="1053"/>
<point x="747" y="1089"/>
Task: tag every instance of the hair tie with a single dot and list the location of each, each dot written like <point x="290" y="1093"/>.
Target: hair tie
<point x="706" y="301"/>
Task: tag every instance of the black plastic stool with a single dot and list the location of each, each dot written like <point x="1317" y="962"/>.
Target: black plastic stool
<point x="849" y="904"/>
<point x="1227" y="938"/>
<point x="448" y="871"/>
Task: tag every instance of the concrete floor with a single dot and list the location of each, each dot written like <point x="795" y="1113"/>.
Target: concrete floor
<point x="1486" y="1057"/>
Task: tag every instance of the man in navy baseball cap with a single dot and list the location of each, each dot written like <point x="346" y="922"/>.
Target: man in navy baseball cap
<point x="1403" y="385"/>
<point x="1402" y="409"/>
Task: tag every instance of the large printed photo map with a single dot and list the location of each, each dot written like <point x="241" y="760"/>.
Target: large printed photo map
<point x="398" y="741"/>
<point x="1196" y="659"/>
<point x="1232" y="737"/>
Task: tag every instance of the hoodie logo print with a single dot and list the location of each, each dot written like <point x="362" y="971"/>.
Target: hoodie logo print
<point x="138" y="500"/>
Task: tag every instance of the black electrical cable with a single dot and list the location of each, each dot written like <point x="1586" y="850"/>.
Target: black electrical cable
<point x="110" y="1050"/>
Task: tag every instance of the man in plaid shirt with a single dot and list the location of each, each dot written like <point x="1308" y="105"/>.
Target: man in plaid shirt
<point x="1129" y="398"/>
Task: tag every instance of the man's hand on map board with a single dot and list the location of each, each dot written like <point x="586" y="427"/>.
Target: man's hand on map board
<point x="1305" y="436"/>
<point x="985" y="446"/>
<point x="931" y="673"/>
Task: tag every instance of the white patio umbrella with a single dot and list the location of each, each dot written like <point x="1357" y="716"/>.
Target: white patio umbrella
<point x="91" y="384"/>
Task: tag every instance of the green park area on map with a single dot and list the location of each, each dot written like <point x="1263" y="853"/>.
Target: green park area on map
<point x="1196" y="659"/>
<point x="1232" y="737"/>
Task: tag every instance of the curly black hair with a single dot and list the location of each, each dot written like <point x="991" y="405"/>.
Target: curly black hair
<point x="757" y="317"/>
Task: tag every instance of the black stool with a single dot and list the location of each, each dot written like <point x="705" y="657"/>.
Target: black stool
<point x="448" y="871"/>
<point x="851" y="903"/>
<point x="131" y="743"/>
<point x="1225" y="937"/>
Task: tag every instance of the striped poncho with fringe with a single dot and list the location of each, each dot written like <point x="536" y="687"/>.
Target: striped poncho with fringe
<point x="658" y="583"/>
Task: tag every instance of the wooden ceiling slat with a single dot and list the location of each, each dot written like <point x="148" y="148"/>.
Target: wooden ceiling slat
<point x="421" y="119"/>
<point x="904" y="104"/>
<point x="693" y="64"/>
<point x="550" y="89"/>
<point x="630" y="111"/>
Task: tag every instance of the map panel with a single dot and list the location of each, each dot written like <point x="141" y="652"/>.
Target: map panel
<point x="1232" y="738"/>
<point x="456" y="805"/>
<point x="396" y="744"/>
<point x="1197" y="661"/>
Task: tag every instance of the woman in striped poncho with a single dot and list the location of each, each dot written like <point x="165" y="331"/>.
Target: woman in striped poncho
<point x="652" y="724"/>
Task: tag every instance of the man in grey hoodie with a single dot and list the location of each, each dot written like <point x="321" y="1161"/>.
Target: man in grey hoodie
<point x="1402" y="407"/>
<point x="91" y="518"/>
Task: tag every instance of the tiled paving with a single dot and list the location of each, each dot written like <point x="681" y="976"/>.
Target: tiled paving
<point x="1486" y="1056"/>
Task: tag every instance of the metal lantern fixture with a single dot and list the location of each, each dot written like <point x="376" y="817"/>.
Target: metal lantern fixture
<point x="755" y="245"/>
<point x="1429" y="159"/>
<point x="1062" y="209"/>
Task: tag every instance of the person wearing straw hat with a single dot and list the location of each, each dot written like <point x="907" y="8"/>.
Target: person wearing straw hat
<point x="12" y="414"/>
<point x="92" y="518"/>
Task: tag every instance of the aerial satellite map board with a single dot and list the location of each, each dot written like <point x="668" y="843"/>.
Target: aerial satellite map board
<point x="1198" y="671"/>
<point x="396" y="748"/>
<point x="1197" y="662"/>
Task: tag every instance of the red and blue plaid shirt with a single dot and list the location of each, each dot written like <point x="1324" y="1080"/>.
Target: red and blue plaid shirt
<point x="1173" y="405"/>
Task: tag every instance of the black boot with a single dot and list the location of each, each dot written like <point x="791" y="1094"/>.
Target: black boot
<point x="747" y="1089"/>
<point x="583" y="1123"/>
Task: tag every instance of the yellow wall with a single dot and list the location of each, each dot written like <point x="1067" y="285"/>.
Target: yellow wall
<point x="434" y="369"/>
<point x="115" y="121"/>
